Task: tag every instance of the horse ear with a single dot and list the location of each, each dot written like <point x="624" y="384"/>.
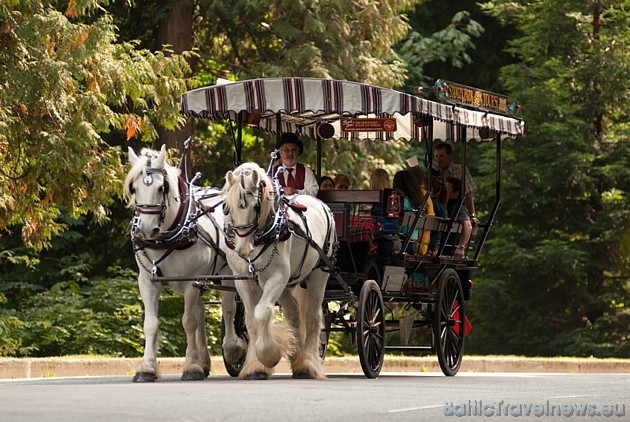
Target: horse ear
<point x="161" y="157"/>
<point x="133" y="158"/>
<point x="229" y="178"/>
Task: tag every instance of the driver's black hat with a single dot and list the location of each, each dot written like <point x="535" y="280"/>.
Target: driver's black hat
<point x="290" y="138"/>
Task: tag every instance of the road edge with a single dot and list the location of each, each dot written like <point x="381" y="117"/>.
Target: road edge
<point x="103" y="366"/>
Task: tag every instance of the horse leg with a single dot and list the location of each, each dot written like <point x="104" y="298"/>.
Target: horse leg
<point x="150" y="294"/>
<point x="307" y="363"/>
<point x="202" y="340"/>
<point x="291" y="312"/>
<point x="234" y="347"/>
<point x="275" y="340"/>
<point x="193" y="311"/>
<point x="252" y="369"/>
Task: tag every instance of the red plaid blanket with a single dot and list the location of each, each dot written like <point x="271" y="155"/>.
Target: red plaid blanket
<point x="361" y="229"/>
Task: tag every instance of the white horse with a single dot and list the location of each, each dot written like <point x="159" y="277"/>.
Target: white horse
<point x="287" y="243"/>
<point x="175" y="235"/>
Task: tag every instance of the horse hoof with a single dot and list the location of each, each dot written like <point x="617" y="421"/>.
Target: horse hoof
<point x="258" y="375"/>
<point x="144" y="377"/>
<point x="303" y="375"/>
<point x="193" y="376"/>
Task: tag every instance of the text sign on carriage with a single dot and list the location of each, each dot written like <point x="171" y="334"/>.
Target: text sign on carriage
<point x="369" y="124"/>
<point x="472" y="97"/>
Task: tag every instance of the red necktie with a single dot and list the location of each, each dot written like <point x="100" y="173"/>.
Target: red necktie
<point x="291" y="183"/>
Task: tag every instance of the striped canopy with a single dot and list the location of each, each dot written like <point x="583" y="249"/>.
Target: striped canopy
<point x="301" y="105"/>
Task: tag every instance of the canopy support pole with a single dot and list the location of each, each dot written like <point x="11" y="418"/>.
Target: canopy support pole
<point x="497" y="198"/>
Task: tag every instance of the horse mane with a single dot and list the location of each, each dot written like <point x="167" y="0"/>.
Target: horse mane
<point x="234" y="190"/>
<point x="172" y="173"/>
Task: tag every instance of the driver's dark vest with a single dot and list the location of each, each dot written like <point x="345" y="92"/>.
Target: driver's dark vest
<point x="300" y="175"/>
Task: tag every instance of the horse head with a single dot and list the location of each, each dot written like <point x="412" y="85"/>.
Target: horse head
<point x="248" y="205"/>
<point x="148" y="190"/>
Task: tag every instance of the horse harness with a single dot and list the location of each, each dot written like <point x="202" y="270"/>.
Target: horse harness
<point x="183" y="233"/>
<point x="279" y="228"/>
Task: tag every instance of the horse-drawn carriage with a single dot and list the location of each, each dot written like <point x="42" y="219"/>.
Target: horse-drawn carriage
<point x="366" y="295"/>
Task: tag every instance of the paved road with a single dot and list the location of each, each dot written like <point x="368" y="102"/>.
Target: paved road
<point x="343" y="397"/>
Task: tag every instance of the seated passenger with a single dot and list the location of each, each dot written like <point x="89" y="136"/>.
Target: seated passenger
<point x="342" y="182"/>
<point x="439" y="208"/>
<point x="326" y="183"/>
<point x="453" y="188"/>
<point x="414" y="194"/>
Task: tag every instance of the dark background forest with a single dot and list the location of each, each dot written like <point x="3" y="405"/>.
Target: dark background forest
<point x="82" y="80"/>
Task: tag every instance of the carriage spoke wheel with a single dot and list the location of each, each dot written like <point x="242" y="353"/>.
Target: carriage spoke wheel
<point x="241" y="330"/>
<point x="448" y="322"/>
<point x="371" y="329"/>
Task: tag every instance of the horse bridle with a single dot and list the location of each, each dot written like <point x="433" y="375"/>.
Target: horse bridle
<point x="249" y="228"/>
<point x="150" y="209"/>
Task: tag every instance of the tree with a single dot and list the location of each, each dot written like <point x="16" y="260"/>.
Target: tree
<point x="64" y="84"/>
<point x="557" y="277"/>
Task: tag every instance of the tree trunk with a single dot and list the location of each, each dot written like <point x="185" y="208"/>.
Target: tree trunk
<point x="177" y="32"/>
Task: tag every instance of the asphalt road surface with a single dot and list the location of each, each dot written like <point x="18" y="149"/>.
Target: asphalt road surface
<point x="342" y="397"/>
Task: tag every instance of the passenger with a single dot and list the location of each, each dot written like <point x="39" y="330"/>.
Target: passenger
<point x="342" y="182"/>
<point x="379" y="179"/>
<point x="453" y="188"/>
<point x="296" y="178"/>
<point x="414" y="193"/>
<point x="326" y="183"/>
<point x="437" y="208"/>
<point x="443" y="155"/>
<point x="387" y="240"/>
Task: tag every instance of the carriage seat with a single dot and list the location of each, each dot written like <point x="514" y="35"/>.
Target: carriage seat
<point x="435" y="223"/>
<point x="351" y="226"/>
<point x="356" y="232"/>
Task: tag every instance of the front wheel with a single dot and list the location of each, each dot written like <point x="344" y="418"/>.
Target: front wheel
<point x="371" y="329"/>
<point x="448" y="322"/>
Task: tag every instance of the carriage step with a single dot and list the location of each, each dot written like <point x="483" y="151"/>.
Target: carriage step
<point x="410" y="349"/>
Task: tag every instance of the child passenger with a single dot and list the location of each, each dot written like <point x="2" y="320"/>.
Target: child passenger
<point x="414" y="193"/>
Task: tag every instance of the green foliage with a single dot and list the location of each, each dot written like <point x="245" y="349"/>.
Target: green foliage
<point x="102" y="316"/>
<point x="555" y="279"/>
<point x="332" y="38"/>
<point x="63" y="84"/>
<point x="450" y="44"/>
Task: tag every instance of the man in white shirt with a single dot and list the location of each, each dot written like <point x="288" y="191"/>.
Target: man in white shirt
<point x="296" y="178"/>
<point x="443" y="155"/>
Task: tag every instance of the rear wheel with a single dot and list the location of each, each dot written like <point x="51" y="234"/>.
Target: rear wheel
<point x="241" y="330"/>
<point x="448" y="322"/>
<point x="371" y="329"/>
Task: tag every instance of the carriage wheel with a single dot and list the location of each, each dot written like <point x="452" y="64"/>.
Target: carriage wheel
<point x="371" y="329"/>
<point x="241" y="330"/>
<point x="448" y="322"/>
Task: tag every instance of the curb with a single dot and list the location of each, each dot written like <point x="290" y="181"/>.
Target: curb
<point x="11" y="368"/>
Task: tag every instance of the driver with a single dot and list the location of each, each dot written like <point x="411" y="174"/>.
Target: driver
<point x="296" y="178"/>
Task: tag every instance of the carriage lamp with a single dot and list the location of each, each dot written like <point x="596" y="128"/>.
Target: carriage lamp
<point x="393" y="205"/>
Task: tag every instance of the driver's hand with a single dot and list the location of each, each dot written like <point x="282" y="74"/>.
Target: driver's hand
<point x="290" y="191"/>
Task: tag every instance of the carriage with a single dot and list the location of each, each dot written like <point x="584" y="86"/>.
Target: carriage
<point x="368" y="295"/>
